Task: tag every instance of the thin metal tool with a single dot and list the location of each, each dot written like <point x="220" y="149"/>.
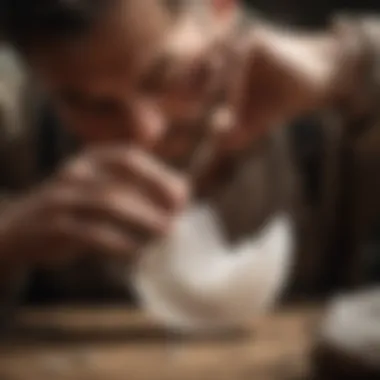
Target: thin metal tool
<point x="206" y="150"/>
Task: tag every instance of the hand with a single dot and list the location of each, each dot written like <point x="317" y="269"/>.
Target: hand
<point x="282" y="75"/>
<point x="112" y="199"/>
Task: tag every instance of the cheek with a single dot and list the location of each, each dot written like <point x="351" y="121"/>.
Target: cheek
<point x="178" y="108"/>
<point x="88" y="128"/>
<point x="242" y="139"/>
<point x="184" y="106"/>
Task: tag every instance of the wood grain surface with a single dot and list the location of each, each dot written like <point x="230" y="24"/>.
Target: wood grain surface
<point x="116" y="343"/>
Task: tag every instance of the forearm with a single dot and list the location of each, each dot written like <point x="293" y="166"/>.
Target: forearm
<point x="289" y="73"/>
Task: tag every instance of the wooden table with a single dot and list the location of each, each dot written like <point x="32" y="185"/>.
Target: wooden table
<point x="114" y="343"/>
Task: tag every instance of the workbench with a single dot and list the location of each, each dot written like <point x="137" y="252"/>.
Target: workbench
<point x="115" y="343"/>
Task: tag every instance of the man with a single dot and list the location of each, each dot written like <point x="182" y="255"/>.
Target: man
<point x="135" y="83"/>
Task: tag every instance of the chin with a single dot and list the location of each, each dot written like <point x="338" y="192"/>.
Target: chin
<point x="195" y="281"/>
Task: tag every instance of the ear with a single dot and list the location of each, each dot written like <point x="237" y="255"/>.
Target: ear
<point x="223" y="8"/>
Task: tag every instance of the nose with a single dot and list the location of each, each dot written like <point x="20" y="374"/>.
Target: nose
<point x="145" y="124"/>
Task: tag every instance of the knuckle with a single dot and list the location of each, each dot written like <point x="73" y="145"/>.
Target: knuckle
<point x="124" y="162"/>
<point x="104" y="198"/>
<point x="132" y="152"/>
<point x="57" y="199"/>
<point x="180" y="191"/>
<point x="60" y="227"/>
<point x="77" y="169"/>
<point x="50" y="197"/>
<point x="134" y="158"/>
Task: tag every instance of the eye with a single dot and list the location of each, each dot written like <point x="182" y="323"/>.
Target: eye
<point x="169" y="77"/>
<point x="103" y="107"/>
<point x="156" y="78"/>
<point x="200" y="74"/>
<point x="71" y="100"/>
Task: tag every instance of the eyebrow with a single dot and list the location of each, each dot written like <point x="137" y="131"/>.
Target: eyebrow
<point x="158" y="70"/>
<point x="75" y="98"/>
<point x="161" y="63"/>
<point x="72" y="96"/>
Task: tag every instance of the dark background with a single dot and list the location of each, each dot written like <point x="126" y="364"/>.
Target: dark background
<point x="309" y="13"/>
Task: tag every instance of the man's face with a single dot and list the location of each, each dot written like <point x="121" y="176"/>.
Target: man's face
<point x="138" y="74"/>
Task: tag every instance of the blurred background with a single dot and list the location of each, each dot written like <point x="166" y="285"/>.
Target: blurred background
<point x="340" y="172"/>
<point x="338" y="169"/>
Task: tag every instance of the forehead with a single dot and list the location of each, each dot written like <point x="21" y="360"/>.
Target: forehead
<point x="124" y="42"/>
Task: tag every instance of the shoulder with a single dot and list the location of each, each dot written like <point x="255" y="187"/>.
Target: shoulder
<point x="17" y="120"/>
<point x="30" y="137"/>
<point x="13" y="83"/>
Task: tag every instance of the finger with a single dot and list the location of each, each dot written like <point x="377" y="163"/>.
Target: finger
<point x="128" y="210"/>
<point x="98" y="236"/>
<point x="80" y="169"/>
<point x="132" y="164"/>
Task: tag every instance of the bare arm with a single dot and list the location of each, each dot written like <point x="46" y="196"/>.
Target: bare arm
<point x="285" y="74"/>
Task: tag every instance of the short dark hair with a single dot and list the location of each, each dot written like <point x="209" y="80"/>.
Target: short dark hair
<point x="23" y="22"/>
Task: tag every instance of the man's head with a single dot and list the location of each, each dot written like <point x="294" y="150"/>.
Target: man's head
<point x="112" y="66"/>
